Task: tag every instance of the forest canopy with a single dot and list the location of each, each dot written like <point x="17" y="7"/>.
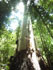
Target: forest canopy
<point x="11" y="19"/>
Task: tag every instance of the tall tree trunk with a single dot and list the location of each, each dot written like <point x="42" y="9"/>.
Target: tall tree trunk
<point x="26" y="58"/>
<point x="27" y="43"/>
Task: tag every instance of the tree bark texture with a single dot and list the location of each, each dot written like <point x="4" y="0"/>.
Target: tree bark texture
<point x="25" y="58"/>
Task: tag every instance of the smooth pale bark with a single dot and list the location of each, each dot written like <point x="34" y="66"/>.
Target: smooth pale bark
<point x="24" y="35"/>
<point x="24" y="32"/>
<point x="27" y="42"/>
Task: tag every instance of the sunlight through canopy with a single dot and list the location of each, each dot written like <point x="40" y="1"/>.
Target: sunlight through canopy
<point x="16" y="16"/>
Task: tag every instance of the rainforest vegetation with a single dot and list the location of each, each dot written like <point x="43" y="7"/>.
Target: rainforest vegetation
<point x="26" y="34"/>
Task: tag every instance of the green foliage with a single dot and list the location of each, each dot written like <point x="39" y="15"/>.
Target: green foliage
<point x="43" y="41"/>
<point x="42" y="31"/>
<point x="42" y="13"/>
<point x="47" y="4"/>
<point x="7" y="48"/>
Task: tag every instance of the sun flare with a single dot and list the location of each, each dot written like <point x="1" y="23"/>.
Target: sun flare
<point x="16" y="16"/>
